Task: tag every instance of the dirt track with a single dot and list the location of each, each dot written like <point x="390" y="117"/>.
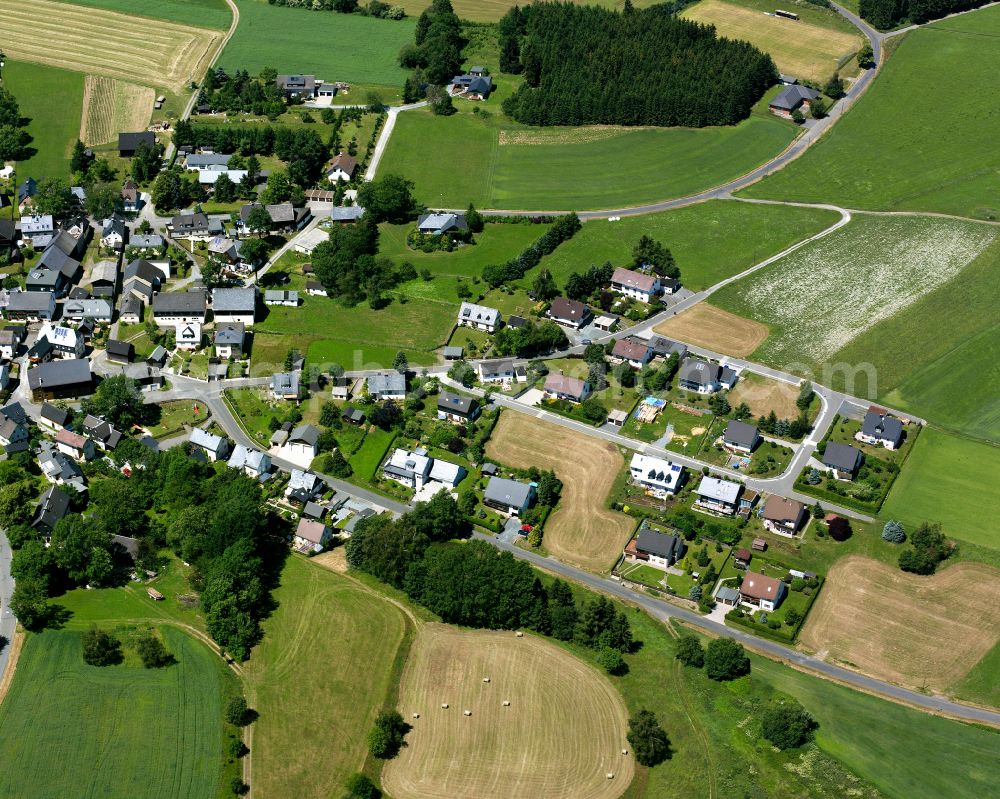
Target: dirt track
<point x="582" y="531"/>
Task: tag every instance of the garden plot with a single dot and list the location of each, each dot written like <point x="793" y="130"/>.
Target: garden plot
<point x="831" y="292"/>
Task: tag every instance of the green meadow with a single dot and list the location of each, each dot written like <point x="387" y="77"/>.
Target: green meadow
<point x="202" y="13"/>
<point x="921" y="138"/>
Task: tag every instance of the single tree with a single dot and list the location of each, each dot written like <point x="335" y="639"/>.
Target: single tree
<point x="152" y="652"/>
<point x="648" y="739"/>
<point x="360" y="787"/>
<point x="787" y="724"/>
<point x="400" y="363"/>
<point x="385" y="739"/>
<point x="690" y="652"/>
<point x="818" y="108"/>
<point x="29" y="603"/>
<point x="894" y="531"/>
<point x="237" y="712"/>
<point x="726" y="660"/>
<point x="611" y="660"/>
<point x="337" y="465"/>
<point x="101" y="648"/>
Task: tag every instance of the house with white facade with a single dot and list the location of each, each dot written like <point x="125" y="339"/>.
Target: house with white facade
<point x="660" y="478"/>
<point x="479" y="317"/>
<point x="704" y="377"/>
<point x="251" y="462"/>
<point x="187" y="336"/>
<point x="762" y="592"/>
<point x="411" y="469"/>
<point x="657" y="549"/>
<point x="387" y="385"/>
<point x="635" y="285"/>
<point x="215" y="447"/>
<point x="718" y="496"/>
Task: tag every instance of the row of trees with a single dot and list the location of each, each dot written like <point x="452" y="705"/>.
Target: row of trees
<point x="14" y="138"/>
<point x="373" y="8"/>
<point x="586" y="65"/>
<point x="887" y="14"/>
<point x="563" y="229"/>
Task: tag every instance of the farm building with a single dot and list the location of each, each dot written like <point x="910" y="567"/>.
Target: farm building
<point x="128" y="143"/>
<point x="30" y="305"/>
<point x="232" y="305"/>
<point x="659" y="477"/>
<point x="179" y="307"/>
<point x="60" y="379"/>
<point x="783" y="516"/>
<point x="310" y="240"/>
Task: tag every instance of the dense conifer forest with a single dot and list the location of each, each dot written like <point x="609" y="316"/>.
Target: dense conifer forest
<point x="889" y="13"/>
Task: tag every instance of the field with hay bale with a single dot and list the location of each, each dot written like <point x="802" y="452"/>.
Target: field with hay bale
<point x="111" y="106"/>
<point x="561" y="735"/>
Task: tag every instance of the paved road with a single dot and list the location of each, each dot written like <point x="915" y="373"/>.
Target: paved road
<point x="383" y="137"/>
<point x="664" y="611"/>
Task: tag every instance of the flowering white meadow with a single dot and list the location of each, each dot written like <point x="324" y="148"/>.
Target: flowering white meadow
<point x="828" y="293"/>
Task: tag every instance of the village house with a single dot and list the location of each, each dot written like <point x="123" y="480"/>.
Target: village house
<point x="252" y="462"/>
<point x="302" y="87"/>
<point x="657" y="549"/>
<point x="11" y="338"/>
<point x="315" y="289"/>
<point x="303" y="486"/>
<point x="501" y="370"/>
<point x="718" y="496"/>
<point x="285" y="386"/>
<point x="342" y="168"/>
<point x="60" y="379"/>
<point x="227" y="252"/>
<point x="76" y="446"/>
<point x="387" y="385"/>
<point x="207" y="177"/>
<point x="303" y="442"/>
<point x="842" y="460"/>
<point x="792" y="98"/>
<point x="30" y="306"/>
<point x="190" y="226"/>
<point x="474" y="85"/>
<point x="635" y="285"/>
<point x="311" y="535"/>
<point x="447" y="473"/>
<point x="145" y="376"/>
<point x="52" y="506"/>
<point x="229" y="340"/>
<point x="879" y="428"/>
<point x="479" y="317"/>
<point x="411" y="469"/>
<point x="659" y="477"/>
<point x="568" y="313"/>
<point x="214" y="447"/>
<point x="38" y="229"/>
<point x="13" y="434"/>
<point x="130" y="197"/>
<point x="26" y="192"/>
<point x="761" y="591"/>
<point x="340" y="387"/>
<point x="508" y="497"/>
<point x="456" y="408"/>
<point x="142" y="277"/>
<point x="148" y="243"/>
<point x="230" y="305"/>
<point x="195" y="162"/>
<point x="187" y="336"/>
<point x="285" y="217"/>
<point x="59" y="468"/>
<point x="113" y="233"/>
<point x="439" y="224"/>
<point x="562" y="387"/>
<point x="101" y="432"/>
<point x="278" y="297"/>
<point x="635" y="352"/>
<point x="783" y="516"/>
<point x="119" y="351"/>
<point x="128" y="143"/>
<point x="704" y="377"/>
<point x="98" y="310"/>
<point x="740" y="437"/>
<point x="103" y="279"/>
<point x="181" y="307"/>
<point x="52" y="418"/>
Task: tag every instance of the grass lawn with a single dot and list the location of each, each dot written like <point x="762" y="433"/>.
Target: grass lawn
<point x="157" y="732"/>
<point x="323" y="671"/>
<point x="945" y="480"/>
<point x="911" y="141"/>
<point x="176" y="415"/>
<point x="710" y="241"/>
<point x="370" y="455"/>
<point x="980" y="684"/>
<point x="203" y="13"/>
<point x="316" y="42"/>
<point x="497" y="163"/>
<point x="53" y="100"/>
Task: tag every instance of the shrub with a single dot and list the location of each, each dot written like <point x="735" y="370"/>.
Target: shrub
<point x="153" y="653"/>
<point x="894" y="532"/>
<point x="840" y="529"/>
<point x="360" y="787"/>
<point x="648" y="740"/>
<point x="787" y="724"/>
<point x="101" y="648"/>
<point x="695" y="593"/>
<point x="610" y="660"/>
<point x="726" y="660"/>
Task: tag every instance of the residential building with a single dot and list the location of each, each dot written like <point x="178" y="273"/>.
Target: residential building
<point x="227" y="252"/>
<point x="11" y="338"/>
<point x="157" y="357"/>
<point x="234" y="305"/>
<point x="783" y="516"/>
<point x="842" y="460"/>
<point x="447" y="473"/>
<point x="740" y="437"/>
<point x="501" y="370"/>
<point x="303" y="486"/>
<point x="635" y="352"/>
<point x="128" y="143"/>
<point x="761" y="591"/>
<point x="456" y="408"/>
<point x="879" y="428"/>
<point x="76" y="446"/>
<point x="411" y="469"/>
<point x="119" y="351"/>
<point x="472" y="86"/>
<point x="277" y="297"/>
<point x="52" y="418"/>
<point x="31" y="306"/>
<point x="13" y="434"/>
<point x="99" y="310"/>
<point x="195" y="162"/>
<point x="792" y="98"/>
<point x="113" y="233"/>
<point x="130" y="309"/>
<point x="440" y="224"/>
<point x="179" y="307"/>
<point x="563" y="387"/>
<point x="229" y="339"/>
<point x="25" y="194"/>
<point x="657" y="549"/>
<point x="52" y="506"/>
<point x="568" y="313"/>
<point x="718" y="496"/>
<point x="193" y="225"/>
<point x="146" y="377"/>
<point x="303" y="441"/>
<point x="104" y="279"/>
<point x="664" y="348"/>
<point x="149" y="243"/>
<point x="286" y="217"/>
<point x="342" y="167"/>
<point x="187" y="336"/>
<point x="285" y="386"/>
<point x="213" y="446"/>
<point x="387" y="385"/>
<point x="207" y="177"/>
<point x="479" y="317"/>
<point x="635" y="285"/>
<point x="101" y="432"/>
<point x="508" y="497"/>
<point x="130" y="197"/>
<point x="340" y="387"/>
<point x="303" y="87"/>
<point x="659" y="477"/>
<point x="704" y="377"/>
<point x="251" y="462"/>
<point x="59" y="468"/>
<point x="311" y="535"/>
<point x="60" y="379"/>
<point x="38" y="229"/>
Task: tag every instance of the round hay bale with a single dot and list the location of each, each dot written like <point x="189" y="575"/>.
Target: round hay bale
<point x="486" y="679"/>
<point x="611" y="776"/>
<point x="506" y="703"/>
<point x="444" y="705"/>
<point x="624" y="751"/>
<point x="467" y="712"/>
<point x="416" y="715"/>
<point x="520" y="635"/>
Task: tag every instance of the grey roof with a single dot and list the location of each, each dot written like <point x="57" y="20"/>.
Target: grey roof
<point x="94" y="309"/>
<point x="158" y="355"/>
<point x="727" y="594"/>
<point x="701" y="372"/>
<point x="882" y="426"/>
<point x="144" y="240"/>
<point x="443" y="221"/>
<point x="52" y="506"/>
<point x="285" y="383"/>
<point x="130" y="304"/>
<point x="387" y="383"/>
<point x="29" y="301"/>
<point x="454" y="403"/>
<point x="480" y="314"/>
<point x="208" y="441"/>
<point x="55" y="374"/>
<point x="104" y="272"/>
<point x="201" y="160"/>
<point x="664" y="347"/>
<point x="44" y="280"/>
<point x="235" y="300"/>
<point x="54" y="414"/>
<point x="144" y="270"/>
<point x="180" y="302"/>
<point x="661" y="544"/>
<point x="281" y="212"/>
<point x="253" y="459"/>
<point x="36" y="223"/>
<point x="348" y="213"/>
<point x="55" y="259"/>
<point x="792" y="97"/>
<point x="14" y="411"/>
<point x="229" y="334"/>
<point x="101" y="429"/>
<point x="507" y="492"/>
<point x="189" y="223"/>
<point x="131" y="141"/>
<point x="722" y="490"/>
<point x="121" y="349"/>
<point x="304" y="434"/>
<point x="279" y="295"/>
<point x="113" y="225"/>
<point x="453" y="352"/>
<point x="842" y="457"/>
<point x="740" y="434"/>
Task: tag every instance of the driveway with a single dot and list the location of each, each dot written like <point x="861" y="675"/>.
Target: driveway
<point x="531" y="397"/>
<point x="511" y="531"/>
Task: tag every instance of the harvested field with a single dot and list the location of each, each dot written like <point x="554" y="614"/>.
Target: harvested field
<point x="720" y="331"/>
<point x="764" y="395"/>
<point x="104" y="43"/>
<point x="582" y="530"/>
<point x="110" y="106"/>
<point x="561" y="735"/>
<point x="923" y="632"/>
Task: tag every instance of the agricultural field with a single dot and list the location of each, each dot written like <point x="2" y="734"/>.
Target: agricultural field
<point x="53" y="100"/>
<point x="980" y="684"/>
<point x="297" y="40"/>
<point x="923" y="632"/>
<point x="562" y="733"/>
<point x="496" y="163"/>
<point x="582" y="530"/>
<point x="111" y="106"/>
<point x="832" y="291"/>
<point x="810" y="48"/>
<point x="200" y="13"/>
<point x="104" y="43"/>
<point x="316" y="700"/>
<point x="910" y="143"/>
<point x="943" y="482"/>
<point x="710" y="241"/>
<point x="158" y="732"/>
<point x="711" y="327"/>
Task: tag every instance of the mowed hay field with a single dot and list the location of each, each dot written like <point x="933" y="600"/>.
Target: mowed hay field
<point x="798" y="47"/>
<point x="111" y="106"/>
<point x="925" y="632"/>
<point x="105" y="42"/>
<point x="561" y="735"/>
<point x="118" y="732"/>
<point x="581" y="530"/>
<point x="711" y="327"/>
<point x="318" y="679"/>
